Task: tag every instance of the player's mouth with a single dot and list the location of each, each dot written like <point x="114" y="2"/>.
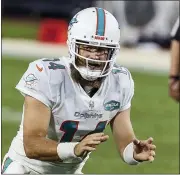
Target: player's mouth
<point x="95" y="66"/>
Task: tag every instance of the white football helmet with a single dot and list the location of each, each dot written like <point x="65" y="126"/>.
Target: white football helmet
<point x="95" y="27"/>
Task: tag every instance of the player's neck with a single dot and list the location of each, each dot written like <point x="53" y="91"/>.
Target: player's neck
<point x="90" y="90"/>
<point x="90" y="87"/>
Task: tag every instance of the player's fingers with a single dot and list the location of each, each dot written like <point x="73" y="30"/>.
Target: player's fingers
<point x="92" y="142"/>
<point x="100" y="134"/>
<point x="142" y="143"/>
<point x="88" y="148"/>
<point x="146" y="143"/>
<point x="150" y="140"/>
<point x="88" y="141"/>
<point x="151" y="159"/>
<point x="96" y="138"/>
<point x="147" y="146"/>
<point x="100" y="138"/>
<point x="175" y="86"/>
<point x="142" y="156"/>
<point x="104" y="138"/>
<point x="152" y="153"/>
<point x="152" y="147"/>
<point x="93" y="136"/>
<point x="136" y="141"/>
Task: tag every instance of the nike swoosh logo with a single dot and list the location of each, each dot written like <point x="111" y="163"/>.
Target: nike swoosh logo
<point x="39" y="69"/>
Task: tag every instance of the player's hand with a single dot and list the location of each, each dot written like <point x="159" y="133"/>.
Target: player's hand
<point x="144" y="150"/>
<point x="174" y="89"/>
<point x="89" y="143"/>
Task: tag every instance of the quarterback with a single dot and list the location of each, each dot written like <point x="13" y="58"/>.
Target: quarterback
<point x="69" y="101"/>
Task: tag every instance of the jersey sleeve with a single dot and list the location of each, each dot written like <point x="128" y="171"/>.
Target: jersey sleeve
<point x="175" y="33"/>
<point x="35" y="83"/>
<point x="128" y="94"/>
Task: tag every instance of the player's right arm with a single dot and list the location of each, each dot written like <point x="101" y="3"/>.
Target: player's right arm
<point x="35" y="126"/>
<point x="38" y="105"/>
<point x="130" y="148"/>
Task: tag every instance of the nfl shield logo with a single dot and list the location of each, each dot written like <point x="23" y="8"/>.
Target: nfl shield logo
<point x="91" y="105"/>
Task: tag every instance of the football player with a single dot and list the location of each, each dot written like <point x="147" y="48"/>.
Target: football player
<point x="69" y="101"/>
<point x="174" y="73"/>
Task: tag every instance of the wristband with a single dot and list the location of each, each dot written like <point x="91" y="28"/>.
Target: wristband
<point x="128" y="155"/>
<point x="66" y="150"/>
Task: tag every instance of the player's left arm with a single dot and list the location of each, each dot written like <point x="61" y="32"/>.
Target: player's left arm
<point x="122" y="130"/>
<point x="130" y="148"/>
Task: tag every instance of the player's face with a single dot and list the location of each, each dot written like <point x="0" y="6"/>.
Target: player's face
<point x="94" y="53"/>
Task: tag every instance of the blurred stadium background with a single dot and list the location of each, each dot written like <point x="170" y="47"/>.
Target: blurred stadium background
<point x="35" y="29"/>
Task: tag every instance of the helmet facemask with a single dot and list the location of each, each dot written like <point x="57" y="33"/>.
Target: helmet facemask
<point x="92" y="68"/>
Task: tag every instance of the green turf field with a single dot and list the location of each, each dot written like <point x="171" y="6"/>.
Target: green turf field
<point x="20" y="28"/>
<point x="153" y="114"/>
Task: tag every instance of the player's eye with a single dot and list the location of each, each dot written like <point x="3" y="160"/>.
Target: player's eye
<point x="90" y="49"/>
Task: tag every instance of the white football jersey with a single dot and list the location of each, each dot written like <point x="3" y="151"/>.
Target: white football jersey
<point x="74" y="113"/>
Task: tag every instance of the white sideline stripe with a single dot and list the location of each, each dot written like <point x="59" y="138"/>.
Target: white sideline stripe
<point x="10" y="115"/>
<point x="142" y="60"/>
